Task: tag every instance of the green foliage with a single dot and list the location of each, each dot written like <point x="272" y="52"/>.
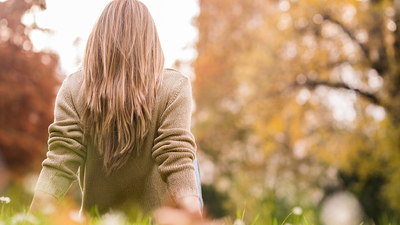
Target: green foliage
<point x="216" y="202"/>
<point x="389" y="220"/>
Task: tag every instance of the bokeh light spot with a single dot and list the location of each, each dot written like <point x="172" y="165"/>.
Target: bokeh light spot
<point x="317" y="18"/>
<point x="284" y="6"/>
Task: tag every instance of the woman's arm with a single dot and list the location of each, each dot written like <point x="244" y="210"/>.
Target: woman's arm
<point x="174" y="148"/>
<point x="66" y="149"/>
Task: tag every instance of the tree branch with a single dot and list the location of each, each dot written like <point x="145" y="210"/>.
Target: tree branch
<point x="372" y="98"/>
<point x="348" y="32"/>
<point x="380" y="64"/>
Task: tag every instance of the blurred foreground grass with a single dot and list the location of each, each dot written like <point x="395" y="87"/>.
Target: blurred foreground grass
<point x="14" y="206"/>
<point x="68" y="215"/>
<point x="10" y="216"/>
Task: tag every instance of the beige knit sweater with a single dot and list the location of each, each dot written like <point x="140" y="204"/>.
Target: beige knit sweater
<point x="163" y="170"/>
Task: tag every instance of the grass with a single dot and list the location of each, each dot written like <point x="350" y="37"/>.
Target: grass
<point x="12" y="215"/>
<point x="9" y="216"/>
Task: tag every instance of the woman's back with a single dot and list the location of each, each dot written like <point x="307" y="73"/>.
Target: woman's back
<point x="141" y="181"/>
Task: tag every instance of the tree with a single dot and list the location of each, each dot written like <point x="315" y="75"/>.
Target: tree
<point x="28" y="85"/>
<point x="309" y="83"/>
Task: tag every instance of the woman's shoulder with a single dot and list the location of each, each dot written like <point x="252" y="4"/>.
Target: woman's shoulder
<point x="74" y="79"/>
<point x="173" y="78"/>
<point x="171" y="74"/>
<point x="174" y="83"/>
<point x="71" y="89"/>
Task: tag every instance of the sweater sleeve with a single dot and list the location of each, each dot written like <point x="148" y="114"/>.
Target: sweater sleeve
<point x="66" y="149"/>
<point x="174" y="146"/>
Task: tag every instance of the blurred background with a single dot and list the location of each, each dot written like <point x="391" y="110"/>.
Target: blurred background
<point x="297" y="102"/>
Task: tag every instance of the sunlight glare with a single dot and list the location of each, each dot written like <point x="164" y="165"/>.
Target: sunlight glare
<point x="38" y="39"/>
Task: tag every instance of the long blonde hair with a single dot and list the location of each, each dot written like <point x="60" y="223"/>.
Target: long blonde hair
<point x="122" y="68"/>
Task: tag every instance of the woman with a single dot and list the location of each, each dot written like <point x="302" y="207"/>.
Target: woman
<point x="122" y="123"/>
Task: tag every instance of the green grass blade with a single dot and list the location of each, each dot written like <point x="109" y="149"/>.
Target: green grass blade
<point x="305" y="220"/>
<point x="286" y="218"/>
<point x="244" y="210"/>
<point x="255" y="219"/>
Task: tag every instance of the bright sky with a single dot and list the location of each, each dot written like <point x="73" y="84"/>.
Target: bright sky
<point x="75" y="18"/>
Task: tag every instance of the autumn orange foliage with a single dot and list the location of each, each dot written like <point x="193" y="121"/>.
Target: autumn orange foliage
<point x="28" y="85"/>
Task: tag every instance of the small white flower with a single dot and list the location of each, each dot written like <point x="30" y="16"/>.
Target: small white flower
<point x="238" y="222"/>
<point x="5" y="199"/>
<point x="297" y="210"/>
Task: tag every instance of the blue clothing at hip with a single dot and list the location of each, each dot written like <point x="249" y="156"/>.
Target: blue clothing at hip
<point x="197" y="172"/>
